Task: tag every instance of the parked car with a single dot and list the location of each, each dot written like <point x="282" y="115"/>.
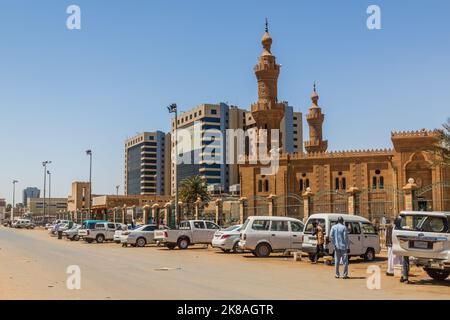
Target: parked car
<point x="189" y="233"/>
<point x="50" y="226"/>
<point x="72" y="233"/>
<point x="102" y="231"/>
<point x="119" y="232"/>
<point x="23" y="224"/>
<point x="141" y="236"/>
<point x="263" y="235"/>
<point x="424" y="236"/>
<point x="228" y="239"/>
<point x="363" y="236"/>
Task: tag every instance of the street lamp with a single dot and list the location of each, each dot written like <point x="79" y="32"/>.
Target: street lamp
<point x="174" y="109"/>
<point x="49" y="192"/>
<point x="89" y="153"/>
<point x="44" y="164"/>
<point x="117" y="190"/>
<point x="14" y="200"/>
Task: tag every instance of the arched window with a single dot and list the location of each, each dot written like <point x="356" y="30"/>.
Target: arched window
<point x="336" y="184"/>
<point x="301" y="184"/>
<point x="374" y="182"/>
<point x="267" y="185"/>
<point x="344" y="184"/>
<point x="259" y="185"/>
<point x="381" y="182"/>
<point x="306" y="184"/>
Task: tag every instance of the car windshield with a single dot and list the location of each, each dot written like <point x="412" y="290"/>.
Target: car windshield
<point x="232" y="228"/>
<point x="309" y="225"/>
<point x="424" y="223"/>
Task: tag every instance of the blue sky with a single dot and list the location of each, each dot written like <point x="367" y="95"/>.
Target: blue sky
<point x="63" y="91"/>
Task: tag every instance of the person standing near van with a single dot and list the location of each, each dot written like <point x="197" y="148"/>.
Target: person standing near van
<point x="339" y="239"/>
<point x="388" y="243"/>
<point x="318" y="232"/>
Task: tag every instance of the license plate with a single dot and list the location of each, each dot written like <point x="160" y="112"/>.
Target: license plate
<point x="421" y="244"/>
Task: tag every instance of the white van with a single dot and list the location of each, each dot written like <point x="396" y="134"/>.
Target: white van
<point x="265" y="234"/>
<point x="364" y="238"/>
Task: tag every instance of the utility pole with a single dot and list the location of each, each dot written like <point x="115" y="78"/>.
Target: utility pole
<point x="89" y="153"/>
<point x="44" y="164"/>
<point x="174" y="109"/>
<point x="14" y="200"/>
<point x="49" y="192"/>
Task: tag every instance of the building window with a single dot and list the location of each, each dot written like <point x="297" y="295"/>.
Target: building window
<point x="344" y="184"/>
<point x="266" y="185"/>
<point x="259" y="185"/>
<point x="381" y="182"/>
<point x="336" y="184"/>
<point x="374" y="182"/>
<point x="301" y="185"/>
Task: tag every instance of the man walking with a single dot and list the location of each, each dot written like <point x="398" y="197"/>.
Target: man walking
<point x="318" y="232"/>
<point x="339" y="239"/>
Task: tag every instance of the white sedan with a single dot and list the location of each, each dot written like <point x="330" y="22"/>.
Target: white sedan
<point x="141" y="236"/>
<point x="228" y="239"/>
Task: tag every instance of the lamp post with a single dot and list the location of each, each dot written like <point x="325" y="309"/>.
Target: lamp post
<point x="49" y="192"/>
<point x="174" y="109"/>
<point x="89" y="153"/>
<point x="14" y="200"/>
<point x="44" y="164"/>
<point x="117" y="190"/>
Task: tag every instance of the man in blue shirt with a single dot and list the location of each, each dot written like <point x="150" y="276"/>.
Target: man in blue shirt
<point x="339" y="239"/>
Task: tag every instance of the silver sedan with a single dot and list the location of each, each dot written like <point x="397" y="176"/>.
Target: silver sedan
<point x="227" y="239"/>
<point x="141" y="236"/>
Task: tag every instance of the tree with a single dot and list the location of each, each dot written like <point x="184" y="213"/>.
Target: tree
<point x="442" y="147"/>
<point x="193" y="188"/>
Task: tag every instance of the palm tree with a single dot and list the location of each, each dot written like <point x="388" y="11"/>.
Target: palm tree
<point x="193" y="188"/>
<point x="442" y="148"/>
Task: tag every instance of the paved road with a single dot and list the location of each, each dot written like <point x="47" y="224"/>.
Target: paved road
<point x="33" y="266"/>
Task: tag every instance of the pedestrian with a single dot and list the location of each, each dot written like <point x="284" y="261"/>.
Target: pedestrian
<point x="318" y="232"/>
<point x="339" y="239"/>
<point x="405" y="259"/>
<point x="391" y="256"/>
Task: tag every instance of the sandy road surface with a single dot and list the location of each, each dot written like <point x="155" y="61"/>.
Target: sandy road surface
<point x="33" y="266"/>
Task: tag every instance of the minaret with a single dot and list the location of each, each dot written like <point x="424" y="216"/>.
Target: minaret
<point x="315" y="119"/>
<point x="267" y="112"/>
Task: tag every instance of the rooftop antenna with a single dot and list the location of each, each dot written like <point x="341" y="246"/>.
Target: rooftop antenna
<point x="267" y="25"/>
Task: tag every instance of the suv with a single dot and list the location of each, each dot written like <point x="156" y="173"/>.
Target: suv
<point x="425" y="236"/>
<point x="102" y="231"/>
<point x="263" y="235"/>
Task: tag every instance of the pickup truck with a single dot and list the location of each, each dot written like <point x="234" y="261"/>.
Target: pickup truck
<point x="189" y="233"/>
<point x="102" y="231"/>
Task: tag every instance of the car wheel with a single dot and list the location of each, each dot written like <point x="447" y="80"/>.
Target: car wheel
<point x="76" y="238"/>
<point x="100" y="238"/>
<point x="437" y="274"/>
<point x="183" y="243"/>
<point x="171" y="246"/>
<point x="369" y="255"/>
<point x="140" y="242"/>
<point x="236" y="248"/>
<point x="225" y="250"/>
<point x="263" y="250"/>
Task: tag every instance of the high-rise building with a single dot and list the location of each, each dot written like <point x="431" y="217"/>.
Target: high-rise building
<point x="147" y="164"/>
<point x="195" y="143"/>
<point x="30" y="192"/>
